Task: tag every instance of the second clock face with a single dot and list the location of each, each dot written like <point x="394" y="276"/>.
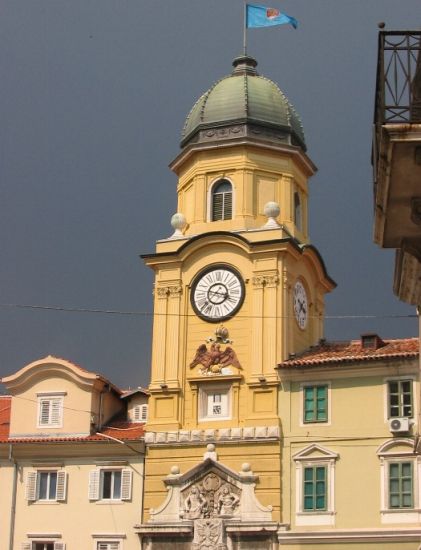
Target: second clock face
<point x="217" y="293"/>
<point x="300" y="305"/>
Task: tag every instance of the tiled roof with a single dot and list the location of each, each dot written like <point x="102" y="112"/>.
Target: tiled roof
<point x="124" y="431"/>
<point x="330" y="353"/>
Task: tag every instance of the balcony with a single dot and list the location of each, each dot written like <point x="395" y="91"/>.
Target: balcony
<point x="396" y="157"/>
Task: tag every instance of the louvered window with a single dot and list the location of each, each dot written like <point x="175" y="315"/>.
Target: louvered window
<point x="140" y="413"/>
<point x="222" y="201"/>
<point x="50" y="412"/>
<point x="46" y="485"/>
<point x="113" y="484"/>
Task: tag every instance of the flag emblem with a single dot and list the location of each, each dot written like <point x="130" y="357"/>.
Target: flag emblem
<point x="272" y="12"/>
<point x="263" y="16"/>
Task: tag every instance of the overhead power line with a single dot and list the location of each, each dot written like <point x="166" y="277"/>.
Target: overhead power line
<point x="152" y="314"/>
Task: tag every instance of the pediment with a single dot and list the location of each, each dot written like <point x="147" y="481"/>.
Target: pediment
<point x="396" y="447"/>
<point x="210" y="491"/>
<point x="315" y="452"/>
<point x="206" y="470"/>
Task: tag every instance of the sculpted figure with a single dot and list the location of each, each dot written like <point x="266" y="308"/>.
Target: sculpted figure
<point x="227" y="502"/>
<point x="194" y="504"/>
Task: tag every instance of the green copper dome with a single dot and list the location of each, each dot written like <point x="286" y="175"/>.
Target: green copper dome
<point x="243" y="103"/>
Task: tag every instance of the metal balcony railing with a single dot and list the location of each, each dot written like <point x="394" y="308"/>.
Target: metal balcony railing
<point x="398" y="84"/>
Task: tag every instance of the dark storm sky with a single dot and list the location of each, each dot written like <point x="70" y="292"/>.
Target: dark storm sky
<point x="94" y="94"/>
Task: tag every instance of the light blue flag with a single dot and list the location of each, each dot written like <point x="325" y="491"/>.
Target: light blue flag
<point x="262" y="16"/>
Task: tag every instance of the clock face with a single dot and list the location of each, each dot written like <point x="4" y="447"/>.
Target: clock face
<point x="217" y="293"/>
<point x="300" y="305"/>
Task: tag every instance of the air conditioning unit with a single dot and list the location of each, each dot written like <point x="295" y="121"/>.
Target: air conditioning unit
<point x="399" y="425"/>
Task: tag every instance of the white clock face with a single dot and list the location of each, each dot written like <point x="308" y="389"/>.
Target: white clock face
<point x="300" y="305"/>
<point x="217" y="293"/>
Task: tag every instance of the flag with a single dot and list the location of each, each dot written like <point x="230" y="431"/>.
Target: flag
<point x="262" y="16"/>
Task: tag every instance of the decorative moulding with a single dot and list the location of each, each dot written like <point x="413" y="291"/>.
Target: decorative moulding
<point x="260" y="433"/>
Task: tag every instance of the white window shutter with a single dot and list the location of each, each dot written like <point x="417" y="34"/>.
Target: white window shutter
<point x="31" y="486"/>
<point x="126" y="484"/>
<point x="55" y="419"/>
<point x="61" y="485"/>
<point x="136" y="413"/>
<point x="93" y="490"/>
<point x="25" y="546"/>
<point x="144" y="413"/>
<point x="59" y="546"/>
<point x="44" y="412"/>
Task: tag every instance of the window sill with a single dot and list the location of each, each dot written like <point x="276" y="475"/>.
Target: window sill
<point x="315" y="518"/>
<point x="46" y="502"/>
<point x="401" y="515"/>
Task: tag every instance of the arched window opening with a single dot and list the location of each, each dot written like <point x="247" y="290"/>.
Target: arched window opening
<point x="222" y="201"/>
<point x="297" y="211"/>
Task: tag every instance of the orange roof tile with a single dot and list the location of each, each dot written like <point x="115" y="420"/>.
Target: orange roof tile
<point x="124" y="431"/>
<point x="331" y="353"/>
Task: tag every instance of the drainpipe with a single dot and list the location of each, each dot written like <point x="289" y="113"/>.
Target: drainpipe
<point x="13" y="505"/>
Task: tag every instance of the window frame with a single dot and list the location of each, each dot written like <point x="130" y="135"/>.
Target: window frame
<point x="206" y="393"/>
<point x="140" y="413"/>
<point x="310" y="384"/>
<point x="399" y="451"/>
<point x="50" y="398"/>
<point x="401" y="405"/>
<point x="313" y="457"/>
<point x="96" y="484"/>
<point x="211" y="193"/>
<point x="32" y="486"/>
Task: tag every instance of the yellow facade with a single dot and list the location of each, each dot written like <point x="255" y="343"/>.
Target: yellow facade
<point x="67" y="480"/>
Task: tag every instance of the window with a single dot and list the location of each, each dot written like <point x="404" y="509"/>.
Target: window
<point x="315" y="486"/>
<point x="314" y="489"/>
<point x="400" y="398"/>
<point x="46" y="486"/>
<point x="110" y="484"/>
<point x="43" y="545"/>
<point x="315" y="400"/>
<point x="140" y="413"/>
<point x="108" y="545"/>
<point x="50" y="411"/>
<point x="401" y="485"/>
<point x="400" y="473"/>
<point x="297" y="211"/>
<point x="215" y="403"/>
<point x="221" y="208"/>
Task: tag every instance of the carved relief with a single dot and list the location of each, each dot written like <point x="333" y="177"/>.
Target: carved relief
<point x="208" y="535"/>
<point x="169" y="291"/>
<point x="215" y="360"/>
<point x="261" y="281"/>
<point x="211" y="498"/>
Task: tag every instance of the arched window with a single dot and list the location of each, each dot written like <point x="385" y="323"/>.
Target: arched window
<point x="297" y="211"/>
<point x="221" y="206"/>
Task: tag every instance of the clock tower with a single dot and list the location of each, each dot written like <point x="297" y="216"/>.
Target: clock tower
<point x="238" y="286"/>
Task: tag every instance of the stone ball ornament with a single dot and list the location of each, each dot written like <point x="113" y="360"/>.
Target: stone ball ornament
<point x="175" y="470"/>
<point x="178" y="223"/>
<point x="271" y="211"/>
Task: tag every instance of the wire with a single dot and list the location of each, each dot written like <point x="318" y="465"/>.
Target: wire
<point x="151" y="314"/>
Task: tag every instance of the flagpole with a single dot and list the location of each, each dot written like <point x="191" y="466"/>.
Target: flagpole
<point x="245" y="29"/>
